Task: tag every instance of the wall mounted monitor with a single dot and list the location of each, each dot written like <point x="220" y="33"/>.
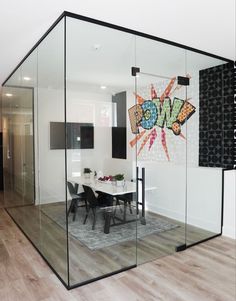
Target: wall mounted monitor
<point x="79" y="135"/>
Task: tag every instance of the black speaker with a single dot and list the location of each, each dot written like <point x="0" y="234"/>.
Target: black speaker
<point x="119" y="142"/>
<point x="119" y="145"/>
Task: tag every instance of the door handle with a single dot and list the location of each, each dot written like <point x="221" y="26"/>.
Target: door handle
<point x="143" y="221"/>
<point x="137" y="189"/>
<point x="142" y="203"/>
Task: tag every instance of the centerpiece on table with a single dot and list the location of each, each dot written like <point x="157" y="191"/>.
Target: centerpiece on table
<point x="120" y="179"/>
<point x="105" y="179"/>
<point x="87" y="172"/>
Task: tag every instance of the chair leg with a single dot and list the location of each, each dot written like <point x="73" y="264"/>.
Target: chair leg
<point x="86" y="216"/>
<point x="125" y="208"/>
<point x="130" y="209"/>
<point x="75" y="210"/>
<point x="116" y="207"/>
<point x="118" y="204"/>
<point x="86" y="205"/>
<point x="94" y="217"/>
<point x="69" y="208"/>
<point x="113" y="218"/>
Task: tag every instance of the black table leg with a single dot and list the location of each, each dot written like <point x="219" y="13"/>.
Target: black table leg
<point x="125" y="210"/>
<point x="108" y="215"/>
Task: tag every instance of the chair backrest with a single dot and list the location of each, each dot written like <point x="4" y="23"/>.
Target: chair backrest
<point x="72" y="190"/>
<point x="90" y="196"/>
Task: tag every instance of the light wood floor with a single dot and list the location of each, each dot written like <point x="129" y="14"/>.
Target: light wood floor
<point x="204" y="272"/>
<point x="85" y="264"/>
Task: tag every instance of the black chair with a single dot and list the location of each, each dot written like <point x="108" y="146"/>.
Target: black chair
<point x="76" y="199"/>
<point x="127" y="199"/>
<point x="93" y="203"/>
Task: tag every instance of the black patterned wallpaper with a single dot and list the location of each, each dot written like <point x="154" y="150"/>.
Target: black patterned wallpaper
<point x="216" y="116"/>
<point x="235" y="114"/>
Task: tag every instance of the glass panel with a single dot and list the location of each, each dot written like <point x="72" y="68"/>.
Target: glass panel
<point x="161" y="149"/>
<point x="18" y="143"/>
<point x="209" y="93"/>
<point x="34" y="173"/>
<point x="19" y="97"/>
<point x="51" y="161"/>
<point x="99" y="91"/>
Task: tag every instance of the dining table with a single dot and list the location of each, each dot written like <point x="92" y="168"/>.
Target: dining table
<point x="108" y="187"/>
<point x="112" y="190"/>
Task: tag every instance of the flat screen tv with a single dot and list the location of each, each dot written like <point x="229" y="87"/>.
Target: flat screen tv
<point x="79" y="135"/>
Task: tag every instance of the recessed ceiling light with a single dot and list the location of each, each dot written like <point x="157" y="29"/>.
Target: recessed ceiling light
<point x="96" y="46"/>
<point x="103" y="87"/>
<point x="9" y="94"/>
<point x="26" y="78"/>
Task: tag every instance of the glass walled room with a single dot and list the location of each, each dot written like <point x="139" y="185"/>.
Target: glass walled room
<point x="115" y="144"/>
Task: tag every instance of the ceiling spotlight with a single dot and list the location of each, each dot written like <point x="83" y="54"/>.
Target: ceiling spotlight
<point x="96" y="46"/>
<point x="103" y="87"/>
<point x="9" y="94"/>
<point x="26" y="78"/>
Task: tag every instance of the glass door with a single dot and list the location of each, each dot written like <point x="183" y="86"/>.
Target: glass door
<point x="161" y="115"/>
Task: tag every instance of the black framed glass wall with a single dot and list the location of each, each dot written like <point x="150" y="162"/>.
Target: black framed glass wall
<point x="77" y="115"/>
<point x="34" y="176"/>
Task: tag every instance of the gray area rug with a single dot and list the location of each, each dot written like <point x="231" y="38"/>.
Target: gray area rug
<point x="97" y="239"/>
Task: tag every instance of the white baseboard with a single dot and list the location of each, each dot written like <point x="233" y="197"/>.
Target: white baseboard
<point x="191" y="220"/>
<point x="166" y="212"/>
<point x="229" y="232"/>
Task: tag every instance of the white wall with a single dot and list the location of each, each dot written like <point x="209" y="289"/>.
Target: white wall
<point x="167" y="195"/>
<point x="90" y="108"/>
<point x="204" y="198"/>
<point x="87" y="107"/>
<point x="50" y="165"/>
<point x="80" y="108"/>
<point x="229" y="228"/>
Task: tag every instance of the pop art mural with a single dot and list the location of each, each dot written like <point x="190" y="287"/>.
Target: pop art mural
<point x="165" y="112"/>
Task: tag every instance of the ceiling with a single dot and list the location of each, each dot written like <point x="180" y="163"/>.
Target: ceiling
<point x="21" y="26"/>
<point x="100" y="56"/>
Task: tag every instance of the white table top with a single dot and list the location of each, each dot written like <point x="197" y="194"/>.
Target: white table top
<point x="107" y="187"/>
